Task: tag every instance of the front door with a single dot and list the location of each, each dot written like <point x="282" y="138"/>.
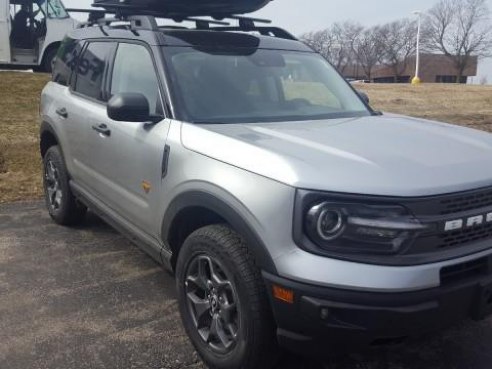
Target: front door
<point x="130" y="154"/>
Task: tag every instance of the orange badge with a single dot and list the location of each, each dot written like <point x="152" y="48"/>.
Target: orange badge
<point x="146" y="186"/>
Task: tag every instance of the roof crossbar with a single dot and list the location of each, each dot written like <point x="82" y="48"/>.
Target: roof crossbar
<point x="264" y="31"/>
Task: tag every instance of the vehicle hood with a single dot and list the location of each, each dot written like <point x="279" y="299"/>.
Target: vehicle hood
<point x="379" y="155"/>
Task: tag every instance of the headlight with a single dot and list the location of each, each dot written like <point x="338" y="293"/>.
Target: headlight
<point x="328" y="221"/>
<point x="360" y="228"/>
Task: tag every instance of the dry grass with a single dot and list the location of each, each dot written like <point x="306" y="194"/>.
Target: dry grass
<point x="465" y="105"/>
<point x="20" y="164"/>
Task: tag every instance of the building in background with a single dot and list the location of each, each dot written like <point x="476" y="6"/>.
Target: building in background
<point x="434" y="68"/>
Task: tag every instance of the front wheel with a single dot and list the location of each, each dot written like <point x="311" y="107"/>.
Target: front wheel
<point x="223" y="301"/>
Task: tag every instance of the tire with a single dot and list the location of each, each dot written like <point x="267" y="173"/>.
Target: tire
<point x="248" y="340"/>
<point x="48" y="58"/>
<point x="62" y="206"/>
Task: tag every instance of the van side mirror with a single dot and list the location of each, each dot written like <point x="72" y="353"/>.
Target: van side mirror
<point x="129" y="107"/>
<point x="364" y="96"/>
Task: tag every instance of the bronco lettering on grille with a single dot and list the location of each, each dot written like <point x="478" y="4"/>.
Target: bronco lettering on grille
<point x="476" y="220"/>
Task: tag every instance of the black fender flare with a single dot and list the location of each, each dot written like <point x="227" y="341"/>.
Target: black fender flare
<point x="225" y="211"/>
<point x="47" y="128"/>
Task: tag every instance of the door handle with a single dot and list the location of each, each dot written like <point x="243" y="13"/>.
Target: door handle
<point x="62" y="112"/>
<point x="102" y="129"/>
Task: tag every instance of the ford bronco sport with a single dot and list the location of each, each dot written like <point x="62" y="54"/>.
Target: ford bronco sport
<point x="292" y="214"/>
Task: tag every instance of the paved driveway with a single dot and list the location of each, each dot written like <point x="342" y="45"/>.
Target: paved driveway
<point x="86" y="298"/>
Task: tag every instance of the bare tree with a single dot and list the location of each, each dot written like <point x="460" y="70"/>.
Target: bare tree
<point x="336" y="44"/>
<point x="399" y="44"/>
<point x="320" y="41"/>
<point x="460" y="29"/>
<point x="368" y="48"/>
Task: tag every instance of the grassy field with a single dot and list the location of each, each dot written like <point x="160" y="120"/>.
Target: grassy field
<point x="20" y="165"/>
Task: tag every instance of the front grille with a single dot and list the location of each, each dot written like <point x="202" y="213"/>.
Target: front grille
<point x="461" y="203"/>
<point x="465" y="236"/>
<point x="440" y="209"/>
<point x="451" y="203"/>
<point x="463" y="271"/>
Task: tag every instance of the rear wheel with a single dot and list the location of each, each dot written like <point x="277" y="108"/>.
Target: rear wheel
<point x="62" y="206"/>
<point x="223" y="301"/>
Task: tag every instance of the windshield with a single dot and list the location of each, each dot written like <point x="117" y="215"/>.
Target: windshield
<point x="257" y="85"/>
<point x="55" y="8"/>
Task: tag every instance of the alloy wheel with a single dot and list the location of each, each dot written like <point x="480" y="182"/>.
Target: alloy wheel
<point x="212" y="303"/>
<point x="53" y="187"/>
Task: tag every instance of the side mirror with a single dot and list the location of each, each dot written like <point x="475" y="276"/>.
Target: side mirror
<point x="129" y="107"/>
<point x="364" y="96"/>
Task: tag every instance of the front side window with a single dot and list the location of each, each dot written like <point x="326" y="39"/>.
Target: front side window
<point x="245" y="85"/>
<point x="134" y="71"/>
<point x="90" y="70"/>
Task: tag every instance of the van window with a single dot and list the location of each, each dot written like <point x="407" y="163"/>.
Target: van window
<point x="66" y="60"/>
<point x="54" y="8"/>
<point x="91" y="67"/>
<point x="134" y="72"/>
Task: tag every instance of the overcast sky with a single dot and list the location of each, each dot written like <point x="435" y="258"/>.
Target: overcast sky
<point x="302" y="16"/>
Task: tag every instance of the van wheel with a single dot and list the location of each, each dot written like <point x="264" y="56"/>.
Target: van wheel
<point x="62" y="206"/>
<point x="49" y="57"/>
<point x="223" y="302"/>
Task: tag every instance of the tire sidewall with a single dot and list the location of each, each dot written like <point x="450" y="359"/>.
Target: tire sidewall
<point x="192" y="248"/>
<point x="54" y="155"/>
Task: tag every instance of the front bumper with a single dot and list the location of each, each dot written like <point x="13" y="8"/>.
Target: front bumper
<point x="323" y="320"/>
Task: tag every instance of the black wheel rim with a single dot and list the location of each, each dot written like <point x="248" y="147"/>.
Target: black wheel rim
<point x="212" y="303"/>
<point x="54" y="193"/>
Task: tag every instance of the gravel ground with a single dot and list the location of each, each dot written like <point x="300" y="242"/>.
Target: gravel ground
<point x="86" y="298"/>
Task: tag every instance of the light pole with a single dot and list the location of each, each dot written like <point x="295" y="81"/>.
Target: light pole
<point x="416" y="80"/>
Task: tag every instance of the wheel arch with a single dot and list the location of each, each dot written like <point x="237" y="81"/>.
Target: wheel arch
<point x="48" y="138"/>
<point x="192" y="210"/>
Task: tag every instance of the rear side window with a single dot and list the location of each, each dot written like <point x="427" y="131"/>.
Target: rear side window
<point x="91" y="69"/>
<point x="134" y="71"/>
<point x="66" y="60"/>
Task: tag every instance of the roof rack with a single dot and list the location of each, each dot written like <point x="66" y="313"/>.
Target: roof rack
<point x="141" y="19"/>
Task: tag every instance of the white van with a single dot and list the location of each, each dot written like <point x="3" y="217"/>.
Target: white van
<point x="31" y="31"/>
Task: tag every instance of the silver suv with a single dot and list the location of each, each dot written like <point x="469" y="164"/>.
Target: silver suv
<point x="291" y="213"/>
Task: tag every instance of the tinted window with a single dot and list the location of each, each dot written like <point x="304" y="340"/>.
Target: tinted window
<point x="66" y="60"/>
<point x="90" y="69"/>
<point x="134" y="72"/>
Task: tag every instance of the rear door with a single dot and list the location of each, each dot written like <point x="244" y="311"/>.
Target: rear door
<point x="86" y="104"/>
<point x="130" y="155"/>
<point x="4" y="31"/>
